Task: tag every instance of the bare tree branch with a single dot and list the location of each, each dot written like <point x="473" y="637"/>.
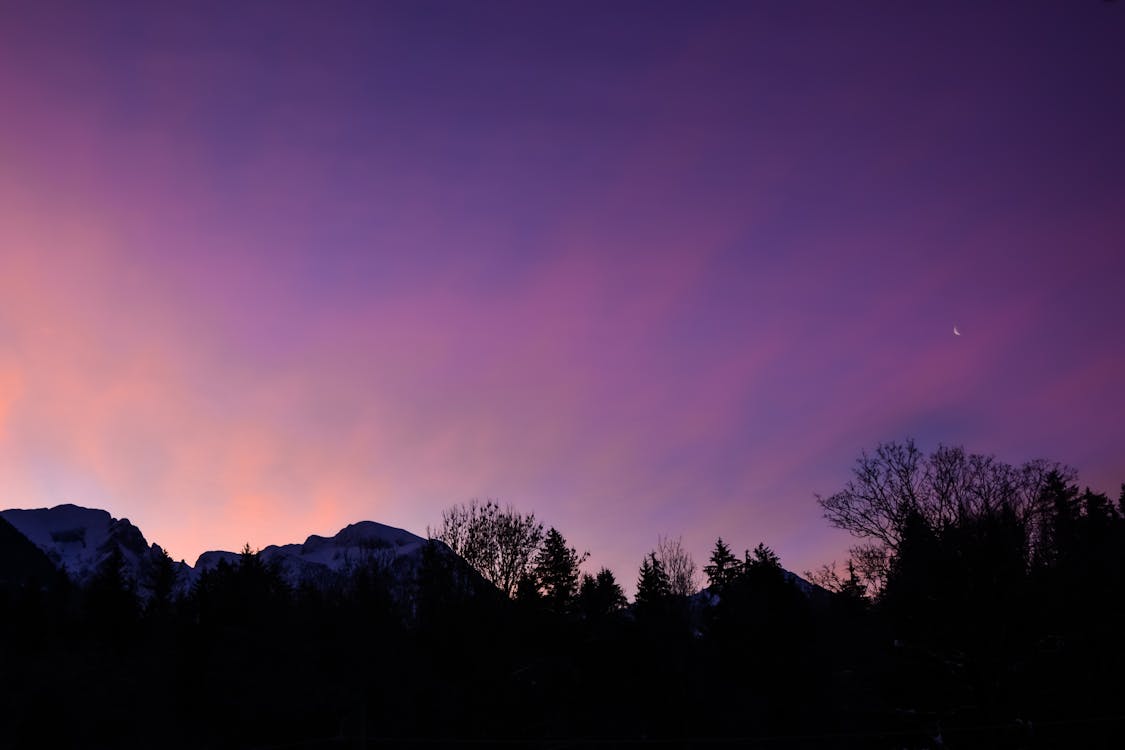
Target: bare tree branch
<point x="678" y="564"/>
<point x="500" y="543"/>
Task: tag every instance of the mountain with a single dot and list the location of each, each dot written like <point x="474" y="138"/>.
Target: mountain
<point x="77" y="540"/>
<point x="21" y="562"/>
<point x="816" y="593"/>
<point x="323" y="560"/>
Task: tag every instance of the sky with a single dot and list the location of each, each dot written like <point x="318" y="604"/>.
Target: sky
<point x="642" y="268"/>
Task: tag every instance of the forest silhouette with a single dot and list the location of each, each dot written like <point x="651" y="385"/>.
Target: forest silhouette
<point x="983" y="606"/>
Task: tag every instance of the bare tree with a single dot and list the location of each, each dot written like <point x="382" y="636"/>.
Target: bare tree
<point x="847" y="584"/>
<point x="500" y="543"/>
<point x="898" y="483"/>
<point x="826" y="576"/>
<point x="678" y="565"/>
<point x="877" y="501"/>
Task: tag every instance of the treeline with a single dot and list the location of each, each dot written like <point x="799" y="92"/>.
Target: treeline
<point x="983" y="606"/>
<point x="1002" y="587"/>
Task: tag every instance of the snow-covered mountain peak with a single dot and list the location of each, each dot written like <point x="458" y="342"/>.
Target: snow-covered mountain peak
<point x="212" y="558"/>
<point x="321" y="559"/>
<point x="78" y="540"/>
<point x="374" y="535"/>
<point x="75" y="538"/>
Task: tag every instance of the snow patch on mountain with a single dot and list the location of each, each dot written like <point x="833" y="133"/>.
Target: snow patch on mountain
<point x="78" y="540"/>
<point x="210" y="560"/>
<point x="319" y="559"/>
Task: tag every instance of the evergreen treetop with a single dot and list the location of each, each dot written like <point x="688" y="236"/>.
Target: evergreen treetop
<point x="724" y="566"/>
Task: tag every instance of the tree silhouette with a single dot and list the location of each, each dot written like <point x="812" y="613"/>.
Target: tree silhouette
<point x="500" y="543"/>
<point x="250" y="593"/>
<point x="724" y="567"/>
<point x="848" y="586"/>
<point x="653" y="586"/>
<point x="158" y="576"/>
<point x="898" y="484"/>
<point x="599" y="596"/>
<point x="851" y="588"/>
<point x="677" y="563"/>
<point x="762" y="559"/>
<point x="556" y="571"/>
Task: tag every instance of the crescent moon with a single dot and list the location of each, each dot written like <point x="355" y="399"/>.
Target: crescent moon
<point x="955" y="331"/>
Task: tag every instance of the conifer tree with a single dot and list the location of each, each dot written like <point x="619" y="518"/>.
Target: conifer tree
<point x="724" y="567"/>
<point x="852" y="591"/>
<point x="556" y="570"/>
<point x="600" y="595"/>
<point x="653" y="586"/>
<point x="160" y="579"/>
<point x="762" y="566"/>
<point x="762" y="557"/>
<point x="1058" y="510"/>
<point x="611" y="592"/>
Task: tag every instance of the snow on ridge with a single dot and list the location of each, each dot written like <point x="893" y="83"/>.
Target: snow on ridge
<point x="212" y="558"/>
<point x="368" y="532"/>
<point x="353" y="544"/>
<point x="321" y="558"/>
<point x="77" y="539"/>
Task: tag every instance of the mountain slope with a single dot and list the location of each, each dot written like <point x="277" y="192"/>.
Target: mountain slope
<point x="322" y="560"/>
<point x="77" y="540"/>
<point x="21" y="562"/>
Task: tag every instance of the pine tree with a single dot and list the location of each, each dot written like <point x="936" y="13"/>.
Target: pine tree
<point x="159" y="576"/>
<point x="587" y="594"/>
<point x="852" y="589"/>
<point x="762" y="567"/>
<point x="600" y="596"/>
<point x="556" y="570"/>
<point x="611" y="592"/>
<point x="1058" y="509"/>
<point x="763" y="557"/>
<point x="259" y="589"/>
<point x="653" y="586"/>
<point x="724" y="567"/>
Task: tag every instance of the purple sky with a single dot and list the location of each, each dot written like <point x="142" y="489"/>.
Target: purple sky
<point x="643" y="268"/>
